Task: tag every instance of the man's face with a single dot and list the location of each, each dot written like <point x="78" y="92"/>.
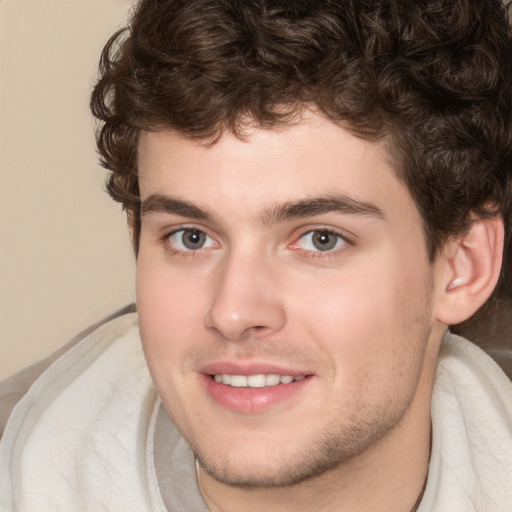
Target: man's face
<point x="285" y="297"/>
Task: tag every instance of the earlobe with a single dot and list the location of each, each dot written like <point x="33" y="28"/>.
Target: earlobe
<point x="471" y="267"/>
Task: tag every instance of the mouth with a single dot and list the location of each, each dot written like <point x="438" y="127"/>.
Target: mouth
<point x="253" y="392"/>
<point x="259" y="380"/>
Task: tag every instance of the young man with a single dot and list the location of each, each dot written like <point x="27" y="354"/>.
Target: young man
<point x="316" y="191"/>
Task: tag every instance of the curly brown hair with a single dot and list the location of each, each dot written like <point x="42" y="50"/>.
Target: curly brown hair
<point x="432" y="77"/>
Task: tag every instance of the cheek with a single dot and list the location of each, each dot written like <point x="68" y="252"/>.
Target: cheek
<point x="169" y="325"/>
<point x="169" y="308"/>
<point x="367" y="319"/>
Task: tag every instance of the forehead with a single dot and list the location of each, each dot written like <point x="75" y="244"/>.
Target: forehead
<point x="312" y="158"/>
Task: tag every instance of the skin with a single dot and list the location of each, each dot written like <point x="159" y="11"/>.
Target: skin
<point x="357" y="319"/>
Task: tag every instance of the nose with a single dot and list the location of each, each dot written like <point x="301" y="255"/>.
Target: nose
<point x="246" y="300"/>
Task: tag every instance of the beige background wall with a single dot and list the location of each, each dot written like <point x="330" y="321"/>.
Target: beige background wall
<point x="65" y="257"/>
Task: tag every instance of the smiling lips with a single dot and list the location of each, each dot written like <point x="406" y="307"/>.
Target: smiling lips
<point x="252" y="392"/>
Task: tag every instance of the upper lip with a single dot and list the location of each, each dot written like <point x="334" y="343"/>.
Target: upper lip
<point x="253" y="368"/>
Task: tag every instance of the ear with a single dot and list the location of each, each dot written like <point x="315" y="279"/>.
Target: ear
<point x="133" y="229"/>
<point x="469" y="269"/>
<point x="130" y="223"/>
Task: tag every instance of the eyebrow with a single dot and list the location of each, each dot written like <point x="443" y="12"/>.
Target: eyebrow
<point x="159" y="203"/>
<point x="309" y="207"/>
<point x="319" y="206"/>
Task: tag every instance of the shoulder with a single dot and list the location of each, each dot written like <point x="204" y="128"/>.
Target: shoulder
<point x="462" y="362"/>
<point x="471" y="411"/>
<point x="491" y="330"/>
<point x="14" y="388"/>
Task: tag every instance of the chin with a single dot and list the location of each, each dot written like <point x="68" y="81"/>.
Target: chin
<point x="279" y="464"/>
<point x="263" y="475"/>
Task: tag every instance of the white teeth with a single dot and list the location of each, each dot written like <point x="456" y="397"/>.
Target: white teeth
<point x="238" y="381"/>
<point x="255" y="381"/>
<point x="272" y="380"/>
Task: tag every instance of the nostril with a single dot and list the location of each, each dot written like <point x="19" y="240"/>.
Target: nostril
<point x="255" y="329"/>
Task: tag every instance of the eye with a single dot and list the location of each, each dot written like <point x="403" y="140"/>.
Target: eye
<point x="190" y="240"/>
<point x="320" y="240"/>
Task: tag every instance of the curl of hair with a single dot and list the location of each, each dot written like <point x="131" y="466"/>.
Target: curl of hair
<point x="431" y="78"/>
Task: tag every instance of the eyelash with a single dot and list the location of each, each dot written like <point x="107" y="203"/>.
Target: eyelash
<point x="191" y="253"/>
<point x="346" y="243"/>
<point x="165" y="240"/>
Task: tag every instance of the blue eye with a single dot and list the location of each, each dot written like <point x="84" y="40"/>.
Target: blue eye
<point x="190" y="240"/>
<point x="320" y="240"/>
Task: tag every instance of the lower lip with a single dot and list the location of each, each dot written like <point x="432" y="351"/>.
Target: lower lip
<point x="251" y="400"/>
